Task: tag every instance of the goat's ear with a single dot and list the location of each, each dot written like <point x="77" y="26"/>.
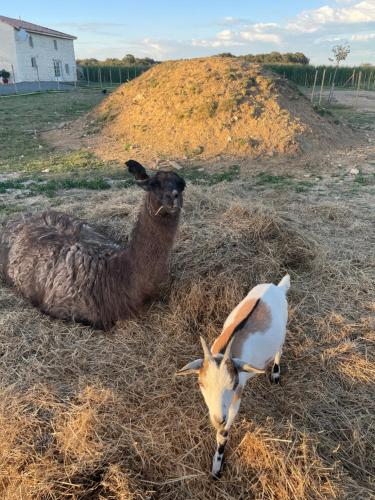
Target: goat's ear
<point x="137" y="170"/>
<point x="190" y="368"/>
<point x="245" y="367"/>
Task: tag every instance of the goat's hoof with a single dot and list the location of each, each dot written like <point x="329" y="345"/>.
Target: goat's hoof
<point x="275" y="378"/>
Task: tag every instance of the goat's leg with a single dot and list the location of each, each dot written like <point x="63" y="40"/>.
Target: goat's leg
<point x="217" y="462"/>
<point x="275" y="372"/>
<point x="222" y="435"/>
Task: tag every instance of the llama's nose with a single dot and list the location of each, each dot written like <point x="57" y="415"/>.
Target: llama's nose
<point x="176" y="199"/>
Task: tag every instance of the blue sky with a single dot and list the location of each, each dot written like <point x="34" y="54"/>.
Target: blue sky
<point x="179" y="29"/>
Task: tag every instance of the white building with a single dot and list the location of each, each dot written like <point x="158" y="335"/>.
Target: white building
<point x="35" y="53"/>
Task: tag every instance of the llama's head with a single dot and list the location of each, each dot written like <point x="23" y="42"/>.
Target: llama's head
<point x="165" y="188"/>
<point x="218" y="380"/>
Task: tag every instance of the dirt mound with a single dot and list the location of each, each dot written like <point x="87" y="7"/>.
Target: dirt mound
<point x="205" y="108"/>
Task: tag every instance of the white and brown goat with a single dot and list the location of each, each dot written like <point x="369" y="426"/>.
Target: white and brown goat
<point x="252" y="338"/>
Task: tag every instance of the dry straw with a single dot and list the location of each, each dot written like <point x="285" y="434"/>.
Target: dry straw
<point x="91" y="415"/>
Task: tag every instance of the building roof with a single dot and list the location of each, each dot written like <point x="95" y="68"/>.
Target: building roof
<point x="35" y="28"/>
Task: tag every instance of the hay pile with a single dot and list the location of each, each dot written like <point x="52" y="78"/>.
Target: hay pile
<point x="204" y="108"/>
<point x="91" y="415"/>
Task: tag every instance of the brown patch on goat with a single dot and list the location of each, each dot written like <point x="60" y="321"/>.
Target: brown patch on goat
<point x="203" y="371"/>
<point x="258" y="322"/>
<point x="239" y="315"/>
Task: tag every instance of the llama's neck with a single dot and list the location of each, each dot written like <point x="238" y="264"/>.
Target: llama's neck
<point x="150" y="248"/>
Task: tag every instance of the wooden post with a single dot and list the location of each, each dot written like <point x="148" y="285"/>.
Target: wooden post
<point x="14" y="81"/>
<point x="358" y="87"/>
<point x="119" y="75"/>
<point x="369" y="80"/>
<point x="110" y="76"/>
<point x="313" y="90"/>
<point x="321" y="88"/>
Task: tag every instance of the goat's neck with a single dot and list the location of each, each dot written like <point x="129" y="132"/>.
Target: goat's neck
<point x="151" y="244"/>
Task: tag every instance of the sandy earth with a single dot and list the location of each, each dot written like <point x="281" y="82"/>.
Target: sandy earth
<point x="364" y="102"/>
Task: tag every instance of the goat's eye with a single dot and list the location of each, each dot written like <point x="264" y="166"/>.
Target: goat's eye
<point x="200" y="384"/>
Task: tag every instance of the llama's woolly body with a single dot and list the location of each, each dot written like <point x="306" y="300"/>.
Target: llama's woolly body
<point x="70" y="271"/>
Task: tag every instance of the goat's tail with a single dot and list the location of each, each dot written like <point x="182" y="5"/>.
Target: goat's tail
<point x="285" y="283"/>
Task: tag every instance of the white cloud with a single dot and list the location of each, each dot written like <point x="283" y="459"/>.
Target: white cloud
<point x="252" y="36"/>
<point x="311" y="31"/>
<point x="225" y="35"/>
<point x="216" y="43"/>
<point x="363" y="37"/>
<point x="310" y="21"/>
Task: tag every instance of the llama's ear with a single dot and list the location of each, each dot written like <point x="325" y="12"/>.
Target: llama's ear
<point x="137" y="170"/>
<point x="191" y="368"/>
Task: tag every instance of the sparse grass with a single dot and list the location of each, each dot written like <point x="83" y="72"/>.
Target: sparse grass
<point x="365" y="180"/>
<point x="364" y="120"/>
<point x="201" y="176"/>
<point x="51" y="186"/>
<point x="23" y="115"/>
<point x="282" y="182"/>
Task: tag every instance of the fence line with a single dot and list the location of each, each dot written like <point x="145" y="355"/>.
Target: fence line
<point x="108" y="75"/>
<point x="304" y="75"/>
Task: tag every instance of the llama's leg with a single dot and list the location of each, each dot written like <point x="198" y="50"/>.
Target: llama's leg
<point x="217" y="462"/>
<point x="275" y="372"/>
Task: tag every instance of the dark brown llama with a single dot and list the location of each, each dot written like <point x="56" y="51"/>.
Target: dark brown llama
<point x="69" y="271"/>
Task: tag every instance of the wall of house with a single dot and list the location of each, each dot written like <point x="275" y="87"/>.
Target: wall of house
<point x="45" y="54"/>
<point x="7" y="49"/>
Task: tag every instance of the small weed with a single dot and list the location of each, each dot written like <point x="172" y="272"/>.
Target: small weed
<point x="9" y="209"/>
<point x="282" y="182"/>
<point x="126" y="183"/>
<point x="364" y="180"/>
<point x="50" y="187"/>
<point x="322" y="111"/>
<point x="197" y="176"/>
<point x="266" y="178"/>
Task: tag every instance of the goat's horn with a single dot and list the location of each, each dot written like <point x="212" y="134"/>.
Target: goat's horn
<point x="206" y="350"/>
<point x="227" y="353"/>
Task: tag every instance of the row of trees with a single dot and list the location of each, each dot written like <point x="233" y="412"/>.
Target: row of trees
<point x="128" y="60"/>
<point x="273" y="58"/>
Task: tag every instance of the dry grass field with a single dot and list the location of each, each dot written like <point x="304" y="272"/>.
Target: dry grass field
<point x="92" y="415"/>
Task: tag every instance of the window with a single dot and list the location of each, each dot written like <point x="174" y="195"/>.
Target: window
<point x="55" y="44"/>
<point x="33" y="62"/>
<point x="31" y="41"/>
<point x="67" y="70"/>
<point x="57" y="68"/>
